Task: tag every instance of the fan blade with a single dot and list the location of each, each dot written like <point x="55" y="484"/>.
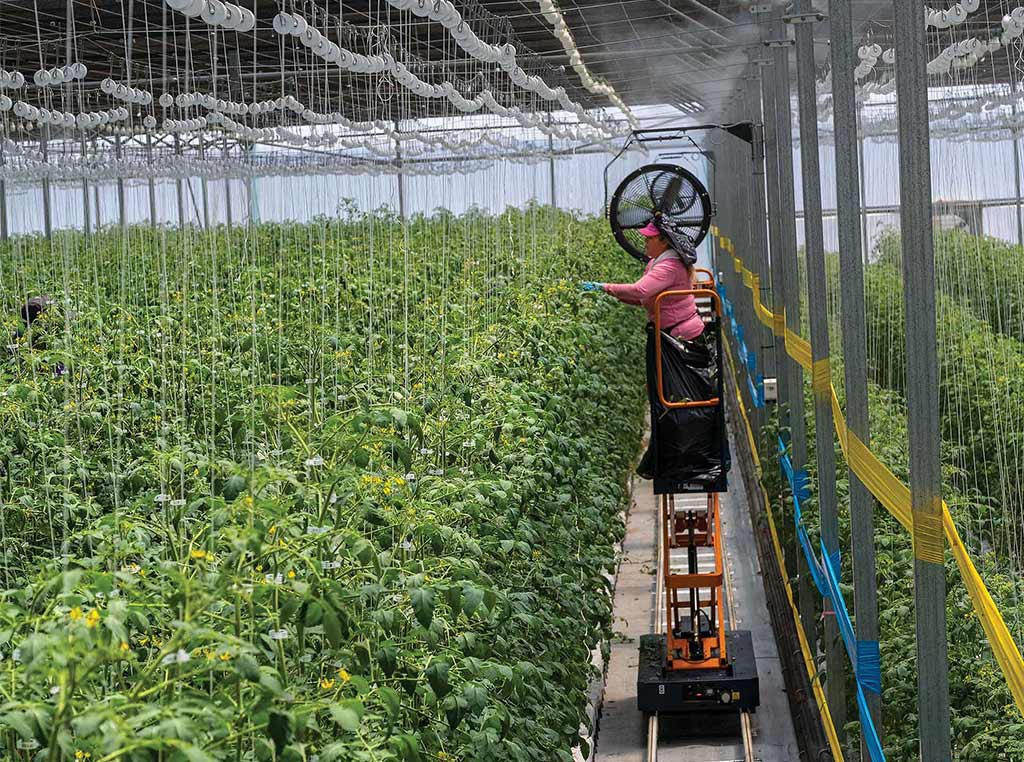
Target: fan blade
<point x="669" y="196"/>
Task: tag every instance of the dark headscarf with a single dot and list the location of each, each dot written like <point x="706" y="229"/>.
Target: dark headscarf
<point x="682" y="244"/>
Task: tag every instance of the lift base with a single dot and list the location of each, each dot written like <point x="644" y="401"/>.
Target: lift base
<point x="659" y="690"/>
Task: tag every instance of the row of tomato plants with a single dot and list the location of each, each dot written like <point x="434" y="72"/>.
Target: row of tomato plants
<point x="345" y="491"/>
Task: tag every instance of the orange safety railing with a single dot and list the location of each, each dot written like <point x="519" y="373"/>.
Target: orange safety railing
<point x="704" y="282"/>
<point x="706" y="293"/>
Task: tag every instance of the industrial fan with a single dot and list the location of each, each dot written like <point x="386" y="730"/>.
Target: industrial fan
<point x="658" y="190"/>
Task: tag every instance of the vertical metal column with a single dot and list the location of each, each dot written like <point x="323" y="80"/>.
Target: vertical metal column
<point x="204" y="184"/>
<point x="5" y="230"/>
<point x="180" y="186"/>
<point x="227" y="184"/>
<point x="783" y="367"/>
<point x="855" y="364"/>
<point x="758" y="221"/>
<point x="250" y="187"/>
<point x="152" y="182"/>
<point x="86" y="216"/>
<point x="121" y="206"/>
<point x="44" y="147"/>
<point x="551" y="162"/>
<point x="817" y="308"/>
<point x="1015" y="136"/>
<point x="401" y="177"/>
<point x="863" y="201"/>
<point x="794" y="379"/>
<point x="922" y="380"/>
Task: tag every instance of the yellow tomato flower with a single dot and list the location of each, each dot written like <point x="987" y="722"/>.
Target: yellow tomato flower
<point x="326" y="684"/>
<point x="124" y="646"/>
<point x="199" y="553"/>
<point x="291" y="574"/>
<point x="343" y="675"/>
<point x="92" y="618"/>
<point x="75" y="614"/>
<point x="226" y="656"/>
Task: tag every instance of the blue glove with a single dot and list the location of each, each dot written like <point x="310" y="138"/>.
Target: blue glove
<point x="589" y="285"/>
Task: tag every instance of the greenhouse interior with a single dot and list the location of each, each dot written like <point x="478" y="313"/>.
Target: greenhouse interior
<point x="511" y="381"/>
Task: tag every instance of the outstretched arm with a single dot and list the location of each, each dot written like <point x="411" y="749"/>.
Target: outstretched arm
<point x="654" y="281"/>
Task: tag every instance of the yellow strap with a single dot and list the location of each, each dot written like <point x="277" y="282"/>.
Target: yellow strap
<point x="805" y="649"/>
<point x="799" y="349"/>
<point x="928" y="544"/>
<point x="821" y="376"/>
<point x="894" y="495"/>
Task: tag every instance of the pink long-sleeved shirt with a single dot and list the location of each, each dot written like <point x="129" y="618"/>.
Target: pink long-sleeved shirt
<point x="666" y="272"/>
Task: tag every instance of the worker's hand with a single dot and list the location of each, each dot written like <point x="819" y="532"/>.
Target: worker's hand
<point x="589" y="285"/>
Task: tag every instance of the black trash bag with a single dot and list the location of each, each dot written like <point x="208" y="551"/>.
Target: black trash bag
<point x="689" y="449"/>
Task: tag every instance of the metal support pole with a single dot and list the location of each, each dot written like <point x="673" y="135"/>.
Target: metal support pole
<point x="5" y="230"/>
<point x="96" y="205"/>
<point x="794" y="379"/>
<point x="783" y="367"/>
<point x="180" y="187"/>
<point x="401" y="177"/>
<point x="250" y="188"/>
<point x="152" y="182"/>
<point x="1015" y="136"/>
<point x="44" y="141"/>
<point x="758" y="232"/>
<point x="551" y="164"/>
<point x="204" y="185"/>
<point x="227" y="185"/>
<point x="817" y="308"/>
<point x="855" y="364"/>
<point x="863" y="202"/>
<point x="86" y="216"/>
<point x="121" y="206"/>
<point x="922" y="380"/>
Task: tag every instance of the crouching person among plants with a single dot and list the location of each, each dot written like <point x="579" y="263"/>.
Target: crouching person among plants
<point x="34" y="333"/>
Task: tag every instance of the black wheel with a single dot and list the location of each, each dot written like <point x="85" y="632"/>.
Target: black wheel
<point x="666" y="188"/>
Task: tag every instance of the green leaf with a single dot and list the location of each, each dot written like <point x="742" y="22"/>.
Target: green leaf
<point x="387" y="657"/>
<point x="313" y="614"/>
<point x="348" y="714"/>
<point x="279" y="728"/>
<point x="391" y="701"/>
<point x="195" y="754"/>
<point x="406" y="747"/>
<point x="453" y="595"/>
<point x="472" y="596"/>
<point x="475" y="696"/>
<point x="437" y="676"/>
<point x="423" y="605"/>
<point x="585" y="748"/>
<point x="247" y="667"/>
<point x="332" y="627"/>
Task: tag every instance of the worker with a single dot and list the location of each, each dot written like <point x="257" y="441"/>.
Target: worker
<point x="670" y="261"/>
<point x="35" y="338"/>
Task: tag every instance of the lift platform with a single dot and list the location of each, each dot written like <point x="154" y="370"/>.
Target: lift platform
<point x="697" y="664"/>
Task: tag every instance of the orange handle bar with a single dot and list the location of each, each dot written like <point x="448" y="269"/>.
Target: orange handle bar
<point x="703" y="293"/>
<point x="710" y="276"/>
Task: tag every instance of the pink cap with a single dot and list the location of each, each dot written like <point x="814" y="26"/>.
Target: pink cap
<point x="649" y="230"/>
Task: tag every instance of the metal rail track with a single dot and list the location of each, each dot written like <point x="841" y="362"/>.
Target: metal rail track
<point x="746" y="734"/>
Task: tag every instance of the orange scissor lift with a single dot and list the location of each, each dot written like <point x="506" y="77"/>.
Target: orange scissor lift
<point x="697" y="664"/>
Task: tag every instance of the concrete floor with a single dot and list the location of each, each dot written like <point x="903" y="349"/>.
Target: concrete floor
<point x="622" y="732"/>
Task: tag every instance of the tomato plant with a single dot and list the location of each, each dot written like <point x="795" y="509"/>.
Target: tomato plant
<point x="338" y="491"/>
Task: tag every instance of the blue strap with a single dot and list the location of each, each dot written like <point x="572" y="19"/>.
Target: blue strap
<point x="827" y="572"/>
